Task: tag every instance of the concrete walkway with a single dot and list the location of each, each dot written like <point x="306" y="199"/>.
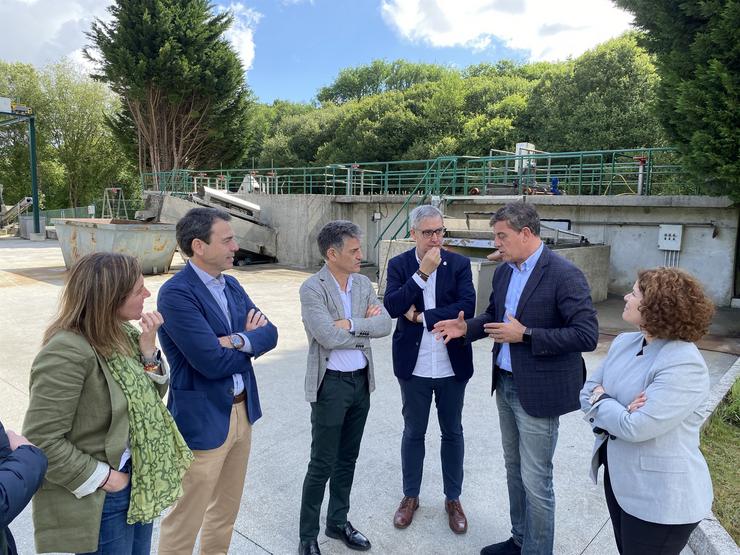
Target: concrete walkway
<point x="30" y="278"/>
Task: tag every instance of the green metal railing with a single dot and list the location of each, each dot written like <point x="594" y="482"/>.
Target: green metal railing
<point x="602" y="172"/>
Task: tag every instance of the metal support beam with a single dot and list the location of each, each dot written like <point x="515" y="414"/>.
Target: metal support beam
<point x="34" y="180"/>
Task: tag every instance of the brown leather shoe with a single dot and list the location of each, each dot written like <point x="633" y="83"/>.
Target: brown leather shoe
<point x="456" y="516"/>
<point x="405" y="513"/>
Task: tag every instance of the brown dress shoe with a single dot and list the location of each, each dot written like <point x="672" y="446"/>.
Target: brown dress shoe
<point x="456" y="516"/>
<point x="405" y="513"/>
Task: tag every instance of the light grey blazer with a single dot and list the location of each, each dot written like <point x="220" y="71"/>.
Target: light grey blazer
<point x="656" y="469"/>
<point x="320" y="307"/>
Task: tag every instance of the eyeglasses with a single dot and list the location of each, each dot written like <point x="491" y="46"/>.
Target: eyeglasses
<point x="427" y="233"/>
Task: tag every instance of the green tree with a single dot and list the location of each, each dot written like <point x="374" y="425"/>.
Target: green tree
<point x="605" y="99"/>
<point x="77" y="154"/>
<point x="182" y="85"/>
<point x="379" y="76"/>
<point x="698" y="57"/>
<point x="378" y="127"/>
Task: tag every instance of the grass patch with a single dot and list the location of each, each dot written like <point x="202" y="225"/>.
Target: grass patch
<point x="720" y="443"/>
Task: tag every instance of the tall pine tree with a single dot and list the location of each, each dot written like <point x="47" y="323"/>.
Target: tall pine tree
<point x="697" y="45"/>
<point x="182" y="85"/>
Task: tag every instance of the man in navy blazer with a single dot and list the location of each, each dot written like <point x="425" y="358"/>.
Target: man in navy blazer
<point x="425" y="285"/>
<point x="212" y="331"/>
<point x="541" y="319"/>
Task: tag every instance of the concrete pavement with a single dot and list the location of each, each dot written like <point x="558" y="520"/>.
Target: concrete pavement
<point x="31" y="275"/>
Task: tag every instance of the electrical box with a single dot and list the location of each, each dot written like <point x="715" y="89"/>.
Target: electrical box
<point x="376" y="216"/>
<point x="523" y="149"/>
<point x="669" y="237"/>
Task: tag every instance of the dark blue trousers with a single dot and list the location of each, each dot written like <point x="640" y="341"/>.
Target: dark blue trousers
<point x="449" y="395"/>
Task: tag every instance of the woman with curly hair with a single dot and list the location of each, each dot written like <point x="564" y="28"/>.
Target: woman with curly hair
<point x="116" y="458"/>
<point x="645" y="405"/>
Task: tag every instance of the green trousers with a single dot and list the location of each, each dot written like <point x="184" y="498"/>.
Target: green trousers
<point x="337" y="423"/>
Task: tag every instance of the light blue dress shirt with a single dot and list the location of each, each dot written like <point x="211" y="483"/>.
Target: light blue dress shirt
<point x="519" y="278"/>
<point x="217" y="287"/>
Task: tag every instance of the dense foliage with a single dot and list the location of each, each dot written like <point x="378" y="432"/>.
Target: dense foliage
<point x="77" y="154"/>
<point x="604" y="99"/>
<point x="185" y="103"/>
<point x="697" y="51"/>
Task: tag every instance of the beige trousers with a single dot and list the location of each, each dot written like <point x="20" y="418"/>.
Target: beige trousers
<point x="212" y="489"/>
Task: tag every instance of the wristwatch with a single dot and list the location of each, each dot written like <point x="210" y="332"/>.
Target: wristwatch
<point x="527" y="336"/>
<point x="237" y="341"/>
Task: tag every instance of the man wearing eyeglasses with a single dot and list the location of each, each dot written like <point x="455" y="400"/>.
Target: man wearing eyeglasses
<point x="425" y="285"/>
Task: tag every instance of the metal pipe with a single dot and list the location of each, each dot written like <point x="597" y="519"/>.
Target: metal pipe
<point x="34" y="179"/>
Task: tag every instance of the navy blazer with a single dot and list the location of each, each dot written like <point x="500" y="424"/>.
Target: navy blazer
<point x="454" y="292"/>
<point x="201" y="385"/>
<point x="556" y="303"/>
<point x="21" y="474"/>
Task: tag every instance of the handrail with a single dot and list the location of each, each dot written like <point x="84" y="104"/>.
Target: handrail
<point x="405" y="205"/>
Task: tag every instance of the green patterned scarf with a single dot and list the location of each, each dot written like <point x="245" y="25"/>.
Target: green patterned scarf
<point x="159" y="454"/>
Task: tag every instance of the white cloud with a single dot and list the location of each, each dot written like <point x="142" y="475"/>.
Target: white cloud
<point x="241" y="32"/>
<point x="43" y="31"/>
<point x="548" y="29"/>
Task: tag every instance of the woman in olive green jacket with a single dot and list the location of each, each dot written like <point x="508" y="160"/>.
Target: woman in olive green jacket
<point x="115" y="456"/>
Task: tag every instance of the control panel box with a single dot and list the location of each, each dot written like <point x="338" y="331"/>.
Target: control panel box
<point x="669" y="237"/>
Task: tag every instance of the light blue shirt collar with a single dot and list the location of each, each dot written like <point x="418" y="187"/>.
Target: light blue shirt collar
<point x="207" y="278"/>
<point x="529" y="264"/>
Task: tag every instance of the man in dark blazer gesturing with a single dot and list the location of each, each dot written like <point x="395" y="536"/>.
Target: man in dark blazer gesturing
<point x="541" y="319"/>
<point x="212" y="331"/>
<point x="426" y="284"/>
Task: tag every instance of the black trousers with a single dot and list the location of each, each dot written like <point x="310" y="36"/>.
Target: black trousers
<point x="640" y="537"/>
<point x="337" y="423"/>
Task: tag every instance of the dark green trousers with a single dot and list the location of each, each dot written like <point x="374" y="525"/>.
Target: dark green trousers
<point x="337" y="423"/>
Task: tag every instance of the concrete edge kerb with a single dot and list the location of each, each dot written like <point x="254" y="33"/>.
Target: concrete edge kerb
<point x="710" y="538"/>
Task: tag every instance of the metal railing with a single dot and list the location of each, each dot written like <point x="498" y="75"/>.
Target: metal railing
<point x="602" y="172"/>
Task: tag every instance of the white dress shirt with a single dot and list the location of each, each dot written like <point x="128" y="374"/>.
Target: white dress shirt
<point x="433" y="360"/>
<point x="346" y="360"/>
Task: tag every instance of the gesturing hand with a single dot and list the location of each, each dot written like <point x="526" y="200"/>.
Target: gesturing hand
<point x="510" y="331"/>
<point x="451" y="329"/>
<point x="150" y="323"/>
<point x="255" y="319"/>
<point x="431" y="260"/>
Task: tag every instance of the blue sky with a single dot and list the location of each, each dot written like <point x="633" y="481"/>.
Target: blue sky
<point x="291" y="48"/>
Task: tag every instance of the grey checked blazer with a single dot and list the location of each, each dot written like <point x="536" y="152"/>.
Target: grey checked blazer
<point x="656" y="469"/>
<point x="320" y="307"/>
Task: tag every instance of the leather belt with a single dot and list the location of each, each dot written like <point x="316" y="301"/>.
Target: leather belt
<point x="504" y="372"/>
<point x="352" y="374"/>
<point x="239" y="398"/>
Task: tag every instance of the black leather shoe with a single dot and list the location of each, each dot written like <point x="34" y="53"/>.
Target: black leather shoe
<point x="310" y="547"/>
<point x="509" y="547"/>
<point x="351" y="537"/>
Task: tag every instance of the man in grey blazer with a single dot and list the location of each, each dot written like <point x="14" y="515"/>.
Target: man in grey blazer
<point x="340" y="312"/>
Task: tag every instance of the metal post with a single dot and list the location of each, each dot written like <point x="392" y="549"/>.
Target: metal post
<point x="34" y="180"/>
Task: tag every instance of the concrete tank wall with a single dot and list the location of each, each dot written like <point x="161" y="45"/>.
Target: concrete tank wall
<point x="628" y="224"/>
<point x="593" y="262"/>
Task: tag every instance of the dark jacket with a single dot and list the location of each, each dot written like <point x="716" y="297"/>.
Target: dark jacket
<point x="556" y="303"/>
<point x="201" y="384"/>
<point x="21" y="473"/>
<point x="454" y="292"/>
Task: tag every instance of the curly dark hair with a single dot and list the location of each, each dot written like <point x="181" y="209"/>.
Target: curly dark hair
<point x="674" y="305"/>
